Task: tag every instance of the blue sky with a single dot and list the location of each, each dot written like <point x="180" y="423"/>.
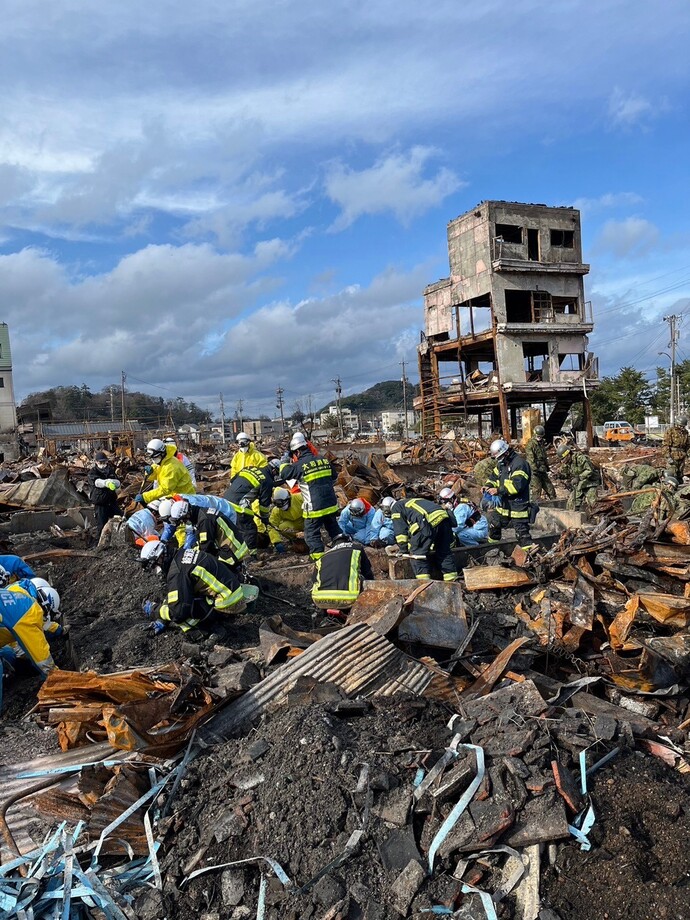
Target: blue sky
<point x="236" y="196"/>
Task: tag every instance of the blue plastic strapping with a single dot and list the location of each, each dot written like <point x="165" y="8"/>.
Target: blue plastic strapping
<point x="465" y="800"/>
<point x="584" y="822"/>
<point x="261" y="908"/>
<point x="280" y="873"/>
<point x="486" y="899"/>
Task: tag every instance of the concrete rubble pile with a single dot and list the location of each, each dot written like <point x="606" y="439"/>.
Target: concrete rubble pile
<point x="491" y="747"/>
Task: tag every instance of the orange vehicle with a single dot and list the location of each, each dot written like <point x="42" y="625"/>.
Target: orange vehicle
<point x="619" y="432"/>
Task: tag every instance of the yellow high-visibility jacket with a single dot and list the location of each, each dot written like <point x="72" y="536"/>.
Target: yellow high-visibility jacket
<point x="241" y="461"/>
<point x="171" y="477"/>
<point x="289" y="522"/>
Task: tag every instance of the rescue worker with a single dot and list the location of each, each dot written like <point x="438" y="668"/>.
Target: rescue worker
<point x="662" y="497"/>
<point x="23" y="608"/>
<point x="425" y="530"/>
<point x="167" y="474"/>
<point x="483" y="471"/>
<point x="469" y="526"/>
<point x="246" y="456"/>
<point x="639" y="476"/>
<point x="315" y="476"/>
<point x="12" y="569"/>
<point x="536" y="456"/>
<point x="358" y="520"/>
<point x="386" y="535"/>
<point x="198" y="587"/>
<point x="183" y="458"/>
<point x="584" y="477"/>
<point x="676" y="445"/>
<point x="103" y="490"/>
<point x="509" y="482"/>
<point x="286" y="521"/>
<point x="211" y="531"/>
<point x="251" y="485"/>
<point x="340" y="574"/>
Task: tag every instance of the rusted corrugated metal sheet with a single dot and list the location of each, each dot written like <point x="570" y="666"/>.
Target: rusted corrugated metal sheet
<point x="19" y="819"/>
<point x="357" y="659"/>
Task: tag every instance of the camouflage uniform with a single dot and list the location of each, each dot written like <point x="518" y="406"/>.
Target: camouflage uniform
<point x="484" y="470"/>
<point x="662" y="497"/>
<point x="584" y="477"/>
<point x="676" y="444"/>
<point x="637" y="477"/>
<point x="535" y="452"/>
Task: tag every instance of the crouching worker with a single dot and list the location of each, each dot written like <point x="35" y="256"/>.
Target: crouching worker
<point x="12" y="569"/>
<point x="198" y="587"/>
<point x="25" y="617"/>
<point x="424" y="530"/>
<point x="340" y="575"/>
<point x="205" y="528"/>
<point x="469" y="525"/>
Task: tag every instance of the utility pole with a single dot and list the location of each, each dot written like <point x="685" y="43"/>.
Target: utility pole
<point x="222" y="420"/>
<point x="239" y="413"/>
<point x="404" y="383"/>
<point x="124" y="411"/>
<point x="279" y="406"/>
<point x="338" y="392"/>
<point x="675" y="335"/>
<point x="112" y="403"/>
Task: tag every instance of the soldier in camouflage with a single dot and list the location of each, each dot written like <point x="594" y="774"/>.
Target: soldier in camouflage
<point x="484" y="471"/>
<point x="676" y="445"/>
<point x="584" y="477"/>
<point x="662" y="497"/>
<point x="535" y="452"/>
<point x="640" y="475"/>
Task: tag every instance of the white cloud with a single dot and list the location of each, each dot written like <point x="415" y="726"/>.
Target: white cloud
<point x="629" y="109"/>
<point x="624" y="239"/>
<point x="395" y="183"/>
<point x="607" y="202"/>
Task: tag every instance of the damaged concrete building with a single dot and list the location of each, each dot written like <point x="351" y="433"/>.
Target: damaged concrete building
<point x="508" y="329"/>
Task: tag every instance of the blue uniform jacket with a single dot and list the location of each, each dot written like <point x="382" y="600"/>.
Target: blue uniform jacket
<point x="361" y="528"/>
<point x="473" y="534"/>
<point x="16" y="567"/>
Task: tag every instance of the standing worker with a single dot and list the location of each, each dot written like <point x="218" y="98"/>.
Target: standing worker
<point x="509" y="483"/>
<point x="584" y="477"/>
<point x="103" y="493"/>
<point x="183" y="458"/>
<point x="247" y="455"/>
<point x="425" y="530"/>
<point x="167" y="474"/>
<point x="315" y="476"/>
<point x="676" y="445"/>
<point x="536" y="456"/>
<point x="249" y="486"/>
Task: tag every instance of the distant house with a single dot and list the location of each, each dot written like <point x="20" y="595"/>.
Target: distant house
<point x="90" y="436"/>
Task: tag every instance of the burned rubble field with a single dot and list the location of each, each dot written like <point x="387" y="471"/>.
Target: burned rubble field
<point x="292" y="790"/>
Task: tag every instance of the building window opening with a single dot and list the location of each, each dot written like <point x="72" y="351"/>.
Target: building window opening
<point x="518" y="307"/>
<point x="533" y="245"/>
<point x="2" y="382"/>
<point x="565" y="306"/>
<point x="571" y="362"/>
<point x="564" y="239"/>
<point x="509" y="233"/>
<point x="536" y="355"/>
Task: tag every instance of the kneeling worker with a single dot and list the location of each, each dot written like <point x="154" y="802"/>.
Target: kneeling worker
<point x="425" y="530"/>
<point x="198" y="586"/>
<point x="23" y="608"/>
<point x="212" y="532"/>
<point x="340" y="575"/>
<point x="286" y="519"/>
<point x="470" y="526"/>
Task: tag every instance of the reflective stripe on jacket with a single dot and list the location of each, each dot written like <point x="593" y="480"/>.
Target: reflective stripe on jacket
<point x="339" y="575"/>
<point x="315" y="476"/>
<point x="511" y="476"/>
<point x="249" y="485"/>
<point x="21" y="622"/>
<point x="194" y="575"/>
<point x="414" y="520"/>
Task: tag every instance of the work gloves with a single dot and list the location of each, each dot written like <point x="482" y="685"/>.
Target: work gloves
<point x="149" y="608"/>
<point x="280" y="547"/>
<point x="140" y="499"/>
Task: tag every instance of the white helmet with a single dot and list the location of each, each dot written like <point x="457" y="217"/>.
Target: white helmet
<point x="281" y="499"/>
<point x="154" y="505"/>
<point x="387" y="505"/>
<point x="155" y="448"/>
<point x="151" y="552"/>
<point x="169" y="440"/>
<point x="4" y="577"/>
<point x="298" y="440"/>
<point x="165" y="508"/>
<point x="48" y="597"/>
<point x="446" y="496"/>
<point x="179" y="511"/>
<point x="357" y="507"/>
<point x="498" y="448"/>
<point x="243" y="439"/>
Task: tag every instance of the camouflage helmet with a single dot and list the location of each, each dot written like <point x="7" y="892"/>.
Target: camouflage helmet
<point x="682" y="421"/>
<point x="539" y="431"/>
<point x="564" y="450"/>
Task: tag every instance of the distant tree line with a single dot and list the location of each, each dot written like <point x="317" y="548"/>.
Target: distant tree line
<point x="630" y="396"/>
<point x="76" y="404"/>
